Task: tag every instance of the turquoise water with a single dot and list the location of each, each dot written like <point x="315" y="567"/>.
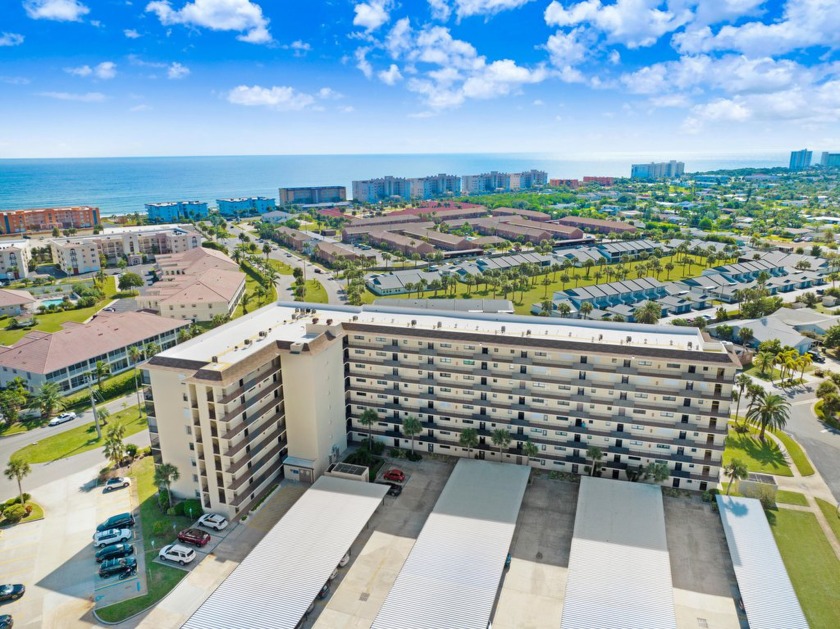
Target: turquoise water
<point x="123" y="185"/>
<point x="52" y="302"/>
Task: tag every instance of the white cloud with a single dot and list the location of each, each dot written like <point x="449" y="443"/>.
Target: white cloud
<point x="142" y="107"/>
<point x="347" y="109"/>
<point x="10" y="39"/>
<point x="398" y="40"/>
<point x="720" y="110"/>
<point x="177" y="71"/>
<point x="327" y="93"/>
<point x="390" y="76"/>
<point x="362" y="63"/>
<point x="131" y="33"/>
<point x="538" y="103"/>
<point x="243" y="16"/>
<point x="299" y="47"/>
<point x="372" y="14"/>
<point x="804" y="23"/>
<point x="634" y="23"/>
<point x="614" y="57"/>
<point x="715" y="11"/>
<point x="58" y="10"/>
<point x="440" y="9"/>
<point x="501" y="78"/>
<point x="105" y="70"/>
<point x="15" y="80"/>
<point x="468" y="8"/>
<point x="566" y="49"/>
<point x="89" y="97"/>
<point x="281" y="98"/>
<point x="670" y="100"/>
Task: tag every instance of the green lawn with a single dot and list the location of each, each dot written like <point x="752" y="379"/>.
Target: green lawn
<point x="79" y="439"/>
<point x="281" y="267"/>
<point x="251" y="284"/>
<point x="810" y="561"/>
<point x="54" y="322"/>
<point x="765" y="457"/>
<point x="159" y="579"/>
<point x="791" y="498"/>
<point x="578" y="277"/>
<point x="830" y="513"/>
<point x="797" y="455"/>
<point x="776" y="374"/>
<point x="315" y="292"/>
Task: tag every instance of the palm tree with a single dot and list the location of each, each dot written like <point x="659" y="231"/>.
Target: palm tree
<point x="501" y="438"/>
<point x="596" y="454"/>
<point x="18" y="469"/>
<point x="564" y="309"/>
<point x="411" y="427"/>
<point x="100" y="371"/>
<point x="266" y="249"/>
<point x="742" y="382"/>
<point x="586" y="309"/>
<point x="367" y="419"/>
<point x="657" y="471"/>
<point x="530" y="450"/>
<point x="165" y="475"/>
<point x="770" y="410"/>
<point x="114" y="447"/>
<point x="764" y="361"/>
<point x="134" y="355"/>
<point x="469" y="440"/>
<point x="151" y="349"/>
<point x="244" y="301"/>
<point x="734" y="469"/>
<point x="648" y="313"/>
<point x="49" y="398"/>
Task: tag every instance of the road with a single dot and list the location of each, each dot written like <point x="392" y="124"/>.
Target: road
<point x="44" y="473"/>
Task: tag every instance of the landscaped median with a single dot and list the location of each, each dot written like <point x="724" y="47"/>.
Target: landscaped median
<point x="160" y="579"/>
<point x="79" y="439"/>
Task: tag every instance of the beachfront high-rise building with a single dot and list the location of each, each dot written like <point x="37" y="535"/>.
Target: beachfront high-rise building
<point x="800" y="160"/>
<point x="382" y="189"/>
<point x="45" y="219"/>
<point x="243" y="206"/>
<point x="495" y="181"/>
<point x="314" y="195"/>
<point x="282" y="390"/>
<point x="830" y="160"/>
<point x="174" y="211"/>
<point x="657" y="170"/>
<point x="434" y="186"/>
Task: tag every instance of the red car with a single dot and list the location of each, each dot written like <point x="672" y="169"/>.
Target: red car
<point x="394" y="475"/>
<point x="194" y="536"/>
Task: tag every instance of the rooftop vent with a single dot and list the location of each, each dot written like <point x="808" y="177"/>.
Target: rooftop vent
<point x="263" y="334"/>
<point x="215" y="359"/>
<point x="413" y="322"/>
<point x="329" y="321"/>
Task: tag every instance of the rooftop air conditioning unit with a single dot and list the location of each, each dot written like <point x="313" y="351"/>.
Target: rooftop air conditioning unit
<point x="215" y="359"/>
<point x="263" y="334"/>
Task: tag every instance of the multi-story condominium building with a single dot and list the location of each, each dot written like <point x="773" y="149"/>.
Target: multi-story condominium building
<point x="174" y="211"/>
<point x="381" y="189"/>
<point x="434" y="186"/>
<point x="195" y="285"/>
<point x="603" y="181"/>
<point x="82" y="254"/>
<point x="68" y="356"/>
<point x="45" y="219"/>
<point x="14" y="259"/>
<point x="800" y="160"/>
<point x="830" y="160"/>
<point x="657" y="170"/>
<point x="287" y="385"/>
<point x="313" y="195"/>
<point x="245" y="205"/>
<point x="569" y="183"/>
<point x="503" y="182"/>
<point x="597" y="224"/>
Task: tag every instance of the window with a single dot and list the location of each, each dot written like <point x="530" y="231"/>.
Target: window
<point x="637" y="443"/>
<point x="381" y="339"/>
<point x="469" y="362"/>
<point x="669" y="398"/>
<point x="446" y="345"/>
<point x="446" y="360"/>
<point x="663" y="446"/>
<point x="445" y="390"/>
<point x="641" y="395"/>
<point x="359" y="351"/>
<point x="539" y="385"/>
<point x="359" y="366"/>
<point x="673" y="366"/>
<point x="469" y="377"/>
<point x="645" y="363"/>
<point x="467" y="407"/>
<point x="540" y="354"/>
<point x="537" y="400"/>
<point x="667" y="414"/>
<point x="381" y="354"/>
<point x="639" y="411"/>
<point x="363" y="380"/>
<point x="445" y="375"/>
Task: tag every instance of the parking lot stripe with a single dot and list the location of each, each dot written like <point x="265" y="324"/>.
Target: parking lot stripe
<point x="113" y="583"/>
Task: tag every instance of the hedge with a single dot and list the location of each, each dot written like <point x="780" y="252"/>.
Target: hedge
<point x="113" y="387"/>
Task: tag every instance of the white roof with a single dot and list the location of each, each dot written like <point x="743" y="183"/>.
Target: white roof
<point x="278" y="580"/>
<point x="452" y="574"/>
<point x="766" y="590"/>
<point x="619" y="567"/>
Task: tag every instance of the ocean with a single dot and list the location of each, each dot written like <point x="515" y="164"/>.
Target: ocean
<point x="125" y="185"/>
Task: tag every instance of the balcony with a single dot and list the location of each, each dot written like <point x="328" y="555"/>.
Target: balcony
<point x="236" y="484"/>
<point x="227" y="399"/>
<point x="241" y="408"/>
<point x="254" y="419"/>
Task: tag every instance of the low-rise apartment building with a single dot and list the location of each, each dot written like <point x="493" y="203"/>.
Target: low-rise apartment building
<point x="330" y="253"/>
<point x="14" y="259"/>
<point x="407" y="245"/>
<point x="293" y="238"/>
<point x="174" y="211"/>
<point x="68" y="356"/>
<point x="292" y="380"/>
<point x="46" y="219"/>
<point x="597" y="225"/>
<point x="196" y="285"/>
<point x="243" y="206"/>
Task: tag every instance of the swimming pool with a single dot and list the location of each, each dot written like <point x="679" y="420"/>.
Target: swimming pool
<point x="52" y="302"/>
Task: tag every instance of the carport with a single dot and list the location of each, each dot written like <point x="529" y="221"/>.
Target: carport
<point x="278" y="580"/>
<point x="619" y="567"/>
<point x="452" y="574"/>
<point x="769" y="599"/>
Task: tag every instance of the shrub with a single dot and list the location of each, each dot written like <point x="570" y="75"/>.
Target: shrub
<point x="163" y="500"/>
<point x="131" y="449"/>
<point x="147" y="451"/>
<point x="192" y="508"/>
<point x="14" y="514"/>
<point x="160" y="528"/>
<point x="16" y="500"/>
<point x="395" y="453"/>
<point x="377" y="447"/>
<point x="177" y="509"/>
<point x="413" y="456"/>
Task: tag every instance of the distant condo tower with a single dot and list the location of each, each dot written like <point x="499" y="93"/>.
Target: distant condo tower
<point x="245" y="205"/>
<point x="174" y="211"/>
<point x="495" y="181"/>
<point x="800" y="160"/>
<point x="830" y="160"/>
<point x="657" y="170"/>
<point x="313" y="195"/>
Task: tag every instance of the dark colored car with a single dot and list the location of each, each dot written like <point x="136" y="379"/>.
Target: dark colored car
<point x="324" y="591"/>
<point x="124" y="565"/>
<point x="194" y="536"/>
<point x="393" y="488"/>
<point x="114" y="551"/>
<point x="395" y="475"/>
<point x="817" y="357"/>
<point x="507" y="561"/>
<point x="11" y="592"/>
<point x="121" y="521"/>
<point x="6" y="621"/>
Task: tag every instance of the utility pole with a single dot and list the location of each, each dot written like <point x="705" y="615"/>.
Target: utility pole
<point x="95" y="414"/>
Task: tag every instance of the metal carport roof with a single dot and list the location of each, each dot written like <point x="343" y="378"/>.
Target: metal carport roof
<point x="769" y="599"/>
<point x="275" y="584"/>
<point x="452" y="574"/>
<point x="619" y="567"/>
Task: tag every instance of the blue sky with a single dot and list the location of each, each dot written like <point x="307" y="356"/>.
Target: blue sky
<point x="570" y="78"/>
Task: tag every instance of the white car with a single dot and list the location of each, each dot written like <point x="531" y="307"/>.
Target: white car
<point x="176" y="552"/>
<point x="60" y="419"/>
<point x="111" y="536"/>
<point x="344" y="560"/>
<point x="213" y="521"/>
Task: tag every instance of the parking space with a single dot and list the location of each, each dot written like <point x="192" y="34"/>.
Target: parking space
<point x="216" y="538"/>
